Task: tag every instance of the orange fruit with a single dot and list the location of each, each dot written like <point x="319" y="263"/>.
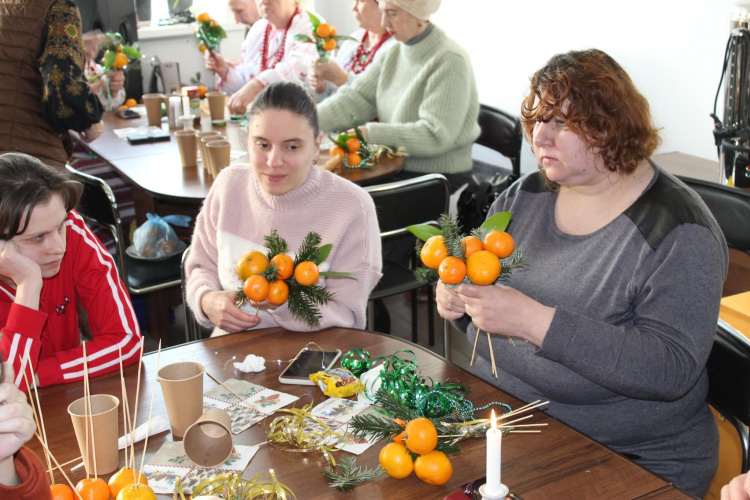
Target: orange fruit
<point x="329" y="44"/>
<point x="256" y="288"/>
<point x="284" y="266"/>
<point x="421" y="435"/>
<point x="278" y="292"/>
<point x="122" y="478"/>
<point x="471" y="244"/>
<point x="62" y="491"/>
<point x="452" y="270"/>
<point x="203" y="17"/>
<point x="121" y="60"/>
<point x="399" y="438"/>
<point x="396" y="460"/>
<point x="323" y="30"/>
<point x="131" y="102"/>
<point x="202" y="47"/>
<point x="500" y="243"/>
<point x="336" y="151"/>
<point x="251" y="263"/>
<point x="306" y="273"/>
<point x="433" y="468"/>
<point x="353" y="159"/>
<point x="122" y="107"/>
<point x="353" y="144"/>
<point x="483" y="267"/>
<point x="334" y="32"/>
<point x="136" y="492"/>
<point x="433" y="252"/>
<point x="202" y="91"/>
<point x="93" y="489"/>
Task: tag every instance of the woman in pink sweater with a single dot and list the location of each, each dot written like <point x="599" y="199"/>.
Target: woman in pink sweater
<point x="282" y="189"/>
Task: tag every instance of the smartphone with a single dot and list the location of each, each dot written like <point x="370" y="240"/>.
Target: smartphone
<point x="307" y="362"/>
<point x="135" y="139"/>
<point x="127" y="114"/>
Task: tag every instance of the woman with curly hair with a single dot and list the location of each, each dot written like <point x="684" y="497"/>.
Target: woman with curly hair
<point x="615" y="317"/>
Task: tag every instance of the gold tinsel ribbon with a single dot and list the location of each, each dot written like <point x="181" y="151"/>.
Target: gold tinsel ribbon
<point x="232" y="485"/>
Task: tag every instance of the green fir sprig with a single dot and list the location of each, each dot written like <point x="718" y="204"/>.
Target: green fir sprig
<point x="350" y="475"/>
<point x="303" y="301"/>
<point x="275" y="244"/>
<point x="308" y="249"/>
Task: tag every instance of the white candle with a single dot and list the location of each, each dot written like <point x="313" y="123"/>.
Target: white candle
<point x="494" y="443"/>
<point x="185" y="105"/>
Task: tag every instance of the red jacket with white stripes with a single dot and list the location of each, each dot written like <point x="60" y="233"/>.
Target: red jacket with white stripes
<point x="49" y="337"/>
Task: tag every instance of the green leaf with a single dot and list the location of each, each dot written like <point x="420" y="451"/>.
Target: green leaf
<point x="424" y="231"/>
<point x="323" y="253"/>
<point x="303" y="38"/>
<point x="313" y="20"/>
<point x="109" y="58"/>
<point x="131" y="52"/>
<point x="497" y="222"/>
<point x="336" y="274"/>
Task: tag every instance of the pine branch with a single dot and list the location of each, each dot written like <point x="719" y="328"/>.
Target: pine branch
<point x="351" y="475"/>
<point x="308" y="249"/>
<point x="275" y="244"/>
<point x="303" y="301"/>
<point x="515" y="261"/>
<point x="240" y="297"/>
<point x="452" y="235"/>
<point x="363" y="426"/>
<point x="426" y="274"/>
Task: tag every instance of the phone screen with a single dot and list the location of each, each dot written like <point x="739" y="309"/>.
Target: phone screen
<point x="308" y="362"/>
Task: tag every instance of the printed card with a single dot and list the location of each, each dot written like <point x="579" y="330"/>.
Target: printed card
<point x="338" y="409"/>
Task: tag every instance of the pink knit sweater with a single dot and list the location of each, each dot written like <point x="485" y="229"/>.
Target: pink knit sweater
<point x="237" y="214"/>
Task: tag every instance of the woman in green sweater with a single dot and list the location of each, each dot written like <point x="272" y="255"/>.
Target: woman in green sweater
<point x="422" y="91"/>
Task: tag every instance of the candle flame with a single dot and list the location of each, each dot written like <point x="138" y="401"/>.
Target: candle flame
<point x="494" y="421"/>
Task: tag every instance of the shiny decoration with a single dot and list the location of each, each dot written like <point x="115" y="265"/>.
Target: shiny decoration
<point x="232" y="485"/>
<point x="357" y="366"/>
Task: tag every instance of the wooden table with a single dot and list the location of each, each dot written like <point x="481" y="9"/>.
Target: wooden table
<point x="688" y="166"/>
<point x="557" y="463"/>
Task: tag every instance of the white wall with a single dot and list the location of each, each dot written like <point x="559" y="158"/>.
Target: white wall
<point x="673" y="51"/>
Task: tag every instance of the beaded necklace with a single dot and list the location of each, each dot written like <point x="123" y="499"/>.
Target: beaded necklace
<point x="264" y="63"/>
<point x="363" y="57"/>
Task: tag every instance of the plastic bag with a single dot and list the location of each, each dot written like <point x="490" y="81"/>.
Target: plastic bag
<point x="156" y="238"/>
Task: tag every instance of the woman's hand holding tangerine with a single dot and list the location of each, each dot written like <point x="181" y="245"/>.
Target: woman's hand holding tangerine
<point x="243" y="98"/>
<point x="220" y="308"/>
<point x="449" y="304"/>
<point x="116" y="81"/>
<point x="737" y="489"/>
<point x="331" y="72"/>
<point x="503" y="310"/>
<point x="216" y="63"/>
<point x="16" y="426"/>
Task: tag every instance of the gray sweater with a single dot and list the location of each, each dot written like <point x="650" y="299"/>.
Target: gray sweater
<point x="637" y="303"/>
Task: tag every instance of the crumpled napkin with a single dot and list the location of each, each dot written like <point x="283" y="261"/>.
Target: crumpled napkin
<point x="252" y="363"/>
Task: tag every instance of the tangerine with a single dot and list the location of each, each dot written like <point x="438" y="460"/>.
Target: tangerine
<point x="203" y="17"/>
<point x="433" y="468"/>
<point x="329" y="44"/>
<point x="336" y="150"/>
<point x="250" y="263"/>
<point x="124" y="477"/>
<point x="61" y="492"/>
<point x="334" y="31"/>
<point x="136" y="492"/>
<point x="256" y="288"/>
<point x="353" y="144"/>
<point x="323" y="30"/>
<point x="452" y="270"/>
<point x="121" y="60"/>
<point x="399" y="438"/>
<point x="93" y="489"/>
<point x="284" y="266"/>
<point x="131" y="103"/>
<point x="202" y="47"/>
<point x="306" y="273"/>
<point x="433" y="252"/>
<point x="353" y="159"/>
<point x="421" y="435"/>
<point x="202" y="90"/>
<point x="471" y="244"/>
<point x="278" y="292"/>
<point x="396" y="460"/>
<point x="483" y="267"/>
<point x="500" y="243"/>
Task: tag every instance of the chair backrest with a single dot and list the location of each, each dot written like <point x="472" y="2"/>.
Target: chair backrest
<point x="98" y="205"/>
<point x="192" y="329"/>
<point x="501" y="132"/>
<point x="420" y="200"/>
<point x="731" y="208"/>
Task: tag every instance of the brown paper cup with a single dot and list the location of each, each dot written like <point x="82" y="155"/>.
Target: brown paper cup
<point x="153" y="108"/>
<point x="202" y="144"/>
<point x="216" y="104"/>
<point x="218" y="153"/>
<point x="103" y="444"/>
<point x="208" y="442"/>
<point x="187" y="143"/>
<point x="182" y="388"/>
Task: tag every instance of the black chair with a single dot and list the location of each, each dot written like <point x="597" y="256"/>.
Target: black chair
<point x="420" y="200"/>
<point x="729" y="382"/>
<point x="501" y="132"/>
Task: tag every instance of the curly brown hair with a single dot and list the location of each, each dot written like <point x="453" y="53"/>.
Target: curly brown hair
<point x="603" y="107"/>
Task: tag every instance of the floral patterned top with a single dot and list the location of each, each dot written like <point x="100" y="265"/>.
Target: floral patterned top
<point x="66" y="100"/>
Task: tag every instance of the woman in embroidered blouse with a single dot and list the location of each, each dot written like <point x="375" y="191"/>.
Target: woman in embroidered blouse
<point x="270" y="54"/>
<point x="353" y="57"/>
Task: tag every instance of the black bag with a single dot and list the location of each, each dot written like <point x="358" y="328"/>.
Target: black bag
<point x="475" y="200"/>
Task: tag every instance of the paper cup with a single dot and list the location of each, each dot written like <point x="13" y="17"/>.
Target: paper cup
<point x="103" y="444"/>
<point x="187" y="143"/>
<point x="153" y="108"/>
<point x="208" y="442"/>
<point x="209" y="134"/>
<point x="182" y="388"/>
<point x="216" y="104"/>
<point x="218" y="153"/>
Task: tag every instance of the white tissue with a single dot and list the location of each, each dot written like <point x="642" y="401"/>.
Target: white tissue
<point x="372" y="382"/>
<point x="252" y="363"/>
<point x="158" y="424"/>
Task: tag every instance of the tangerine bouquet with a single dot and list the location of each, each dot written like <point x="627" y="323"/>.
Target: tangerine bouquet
<point x="117" y="56"/>
<point x="277" y="278"/>
<point x="208" y="33"/>
<point x="325" y="36"/>
<point x="352" y="149"/>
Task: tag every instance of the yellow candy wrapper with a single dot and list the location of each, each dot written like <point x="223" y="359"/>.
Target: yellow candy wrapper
<point x="337" y="382"/>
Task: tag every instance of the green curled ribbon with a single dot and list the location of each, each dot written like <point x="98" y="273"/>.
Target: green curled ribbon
<point x="354" y="365"/>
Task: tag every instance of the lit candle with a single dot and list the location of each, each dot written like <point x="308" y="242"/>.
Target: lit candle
<point x="185" y="105"/>
<point x="494" y="442"/>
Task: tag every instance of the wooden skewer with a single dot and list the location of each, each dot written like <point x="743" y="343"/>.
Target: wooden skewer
<point x="479" y="332"/>
<point x="41" y="418"/>
<point x="524" y="432"/>
<point x="39" y="424"/>
<point x="228" y="389"/>
<point x="67" y="463"/>
<point x="58" y="466"/>
<point x="89" y="417"/>
<point x="524" y="425"/>
<point x="124" y="404"/>
<point x="135" y="410"/>
<point x="528" y="407"/>
<point x="516" y="420"/>
<point x="150" y="409"/>
<point x="492" y="355"/>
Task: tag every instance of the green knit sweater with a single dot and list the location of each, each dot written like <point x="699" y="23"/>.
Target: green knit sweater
<point x="425" y="98"/>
